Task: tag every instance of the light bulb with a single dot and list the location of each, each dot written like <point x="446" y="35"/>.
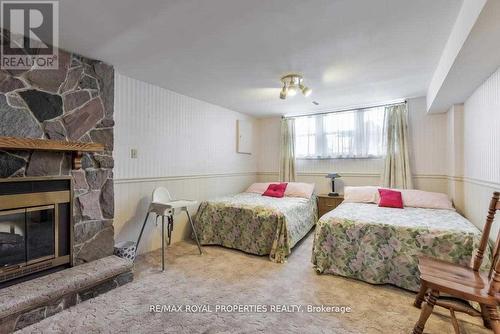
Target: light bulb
<point x="283" y="94"/>
<point x="292" y="91"/>
<point x="306" y="91"/>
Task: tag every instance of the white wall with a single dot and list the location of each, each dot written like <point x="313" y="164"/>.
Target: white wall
<point x="477" y="163"/>
<point x="428" y="155"/>
<point x="428" y="135"/>
<point x="184" y="144"/>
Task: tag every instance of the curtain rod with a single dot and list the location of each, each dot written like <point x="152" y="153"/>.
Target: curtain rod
<point x="345" y="110"/>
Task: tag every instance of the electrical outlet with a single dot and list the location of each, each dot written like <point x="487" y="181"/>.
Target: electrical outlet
<point x="133" y="153"/>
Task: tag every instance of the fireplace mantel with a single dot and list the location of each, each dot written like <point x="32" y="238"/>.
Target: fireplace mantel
<point x="76" y="148"/>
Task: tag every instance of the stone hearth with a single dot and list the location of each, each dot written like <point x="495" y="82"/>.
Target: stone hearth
<point x="73" y="103"/>
<point x="29" y="302"/>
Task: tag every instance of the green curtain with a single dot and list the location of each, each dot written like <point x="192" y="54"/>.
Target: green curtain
<point x="397" y="171"/>
<point x="287" y="150"/>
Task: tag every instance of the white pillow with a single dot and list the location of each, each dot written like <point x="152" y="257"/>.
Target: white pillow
<point x="258" y="188"/>
<point x="293" y="189"/>
<point x="368" y="194"/>
<point x="411" y="197"/>
<point x="299" y="189"/>
<point x="425" y="199"/>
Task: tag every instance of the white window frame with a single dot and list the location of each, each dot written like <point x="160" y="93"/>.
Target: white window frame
<point x="321" y="141"/>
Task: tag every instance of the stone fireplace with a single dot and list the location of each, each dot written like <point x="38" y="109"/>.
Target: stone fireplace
<point x="73" y="103"/>
<point x="71" y="223"/>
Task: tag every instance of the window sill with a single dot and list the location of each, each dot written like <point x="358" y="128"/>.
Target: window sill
<point x="340" y="158"/>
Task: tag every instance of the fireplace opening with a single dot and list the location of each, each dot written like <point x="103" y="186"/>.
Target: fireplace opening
<point x="35" y="226"/>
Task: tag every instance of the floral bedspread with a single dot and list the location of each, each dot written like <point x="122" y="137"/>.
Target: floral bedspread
<point x="256" y="224"/>
<point x="382" y="245"/>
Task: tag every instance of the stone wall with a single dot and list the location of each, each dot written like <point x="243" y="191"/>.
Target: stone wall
<point x="72" y="103"/>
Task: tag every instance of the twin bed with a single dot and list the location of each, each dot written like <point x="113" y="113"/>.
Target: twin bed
<point x="256" y="224"/>
<point x="382" y="245"/>
<point x="358" y="240"/>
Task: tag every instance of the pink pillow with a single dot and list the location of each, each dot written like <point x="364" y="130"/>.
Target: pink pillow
<point x="367" y="194"/>
<point x="275" y="190"/>
<point x="426" y="199"/>
<point x="390" y="199"/>
<point x="299" y="189"/>
<point x="258" y="188"/>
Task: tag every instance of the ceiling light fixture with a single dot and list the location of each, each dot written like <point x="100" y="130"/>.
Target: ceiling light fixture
<point x="292" y="83"/>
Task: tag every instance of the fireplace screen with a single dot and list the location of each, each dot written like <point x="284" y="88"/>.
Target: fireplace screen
<point x="12" y="238"/>
<point x="35" y="227"/>
<point x="40" y="237"/>
<point x="27" y="235"/>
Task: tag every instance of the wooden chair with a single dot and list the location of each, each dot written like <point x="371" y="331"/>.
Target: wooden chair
<point x="463" y="282"/>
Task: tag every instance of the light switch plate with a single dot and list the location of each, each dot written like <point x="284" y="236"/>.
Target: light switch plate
<point x="133" y="153"/>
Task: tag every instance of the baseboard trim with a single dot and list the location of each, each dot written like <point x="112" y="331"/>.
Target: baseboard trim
<point x="181" y="177"/>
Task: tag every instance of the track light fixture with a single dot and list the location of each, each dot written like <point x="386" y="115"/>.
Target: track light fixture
<point x="292" y="83"/>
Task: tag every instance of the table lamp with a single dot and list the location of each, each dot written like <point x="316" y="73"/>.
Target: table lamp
<point x="333" y="176"/>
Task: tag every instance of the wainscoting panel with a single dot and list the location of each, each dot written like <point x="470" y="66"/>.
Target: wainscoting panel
<point x="481" y="152"/>
<point x="482" y="132"/>
<point x="436" y="183"/>
<point x="133" y="196"/>
<point x="475" y="196"/>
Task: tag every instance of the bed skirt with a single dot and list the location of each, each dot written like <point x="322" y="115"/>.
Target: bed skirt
<point x="255" y="224"/>
<point x="385" y="247"/>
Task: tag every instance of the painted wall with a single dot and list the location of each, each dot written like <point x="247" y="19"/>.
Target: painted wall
<point x="428" y="134"/>
<point x="428" y="155"/>
<point x="477" y="159"/>
<point x="183" y="144"/>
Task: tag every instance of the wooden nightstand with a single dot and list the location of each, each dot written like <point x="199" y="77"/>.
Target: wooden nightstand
<point x="327" y="203"/>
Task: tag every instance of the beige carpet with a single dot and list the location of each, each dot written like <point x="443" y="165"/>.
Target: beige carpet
<point x="223" y="276"/>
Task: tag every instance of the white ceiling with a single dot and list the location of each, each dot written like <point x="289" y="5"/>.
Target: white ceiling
<point x="233" y="52"/>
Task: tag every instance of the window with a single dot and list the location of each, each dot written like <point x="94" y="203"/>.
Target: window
<point x="305" y="134"/>
<point x="347" y="134"/>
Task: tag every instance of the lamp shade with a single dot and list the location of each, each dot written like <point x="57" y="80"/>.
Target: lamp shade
<point x="332" y="175"/>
